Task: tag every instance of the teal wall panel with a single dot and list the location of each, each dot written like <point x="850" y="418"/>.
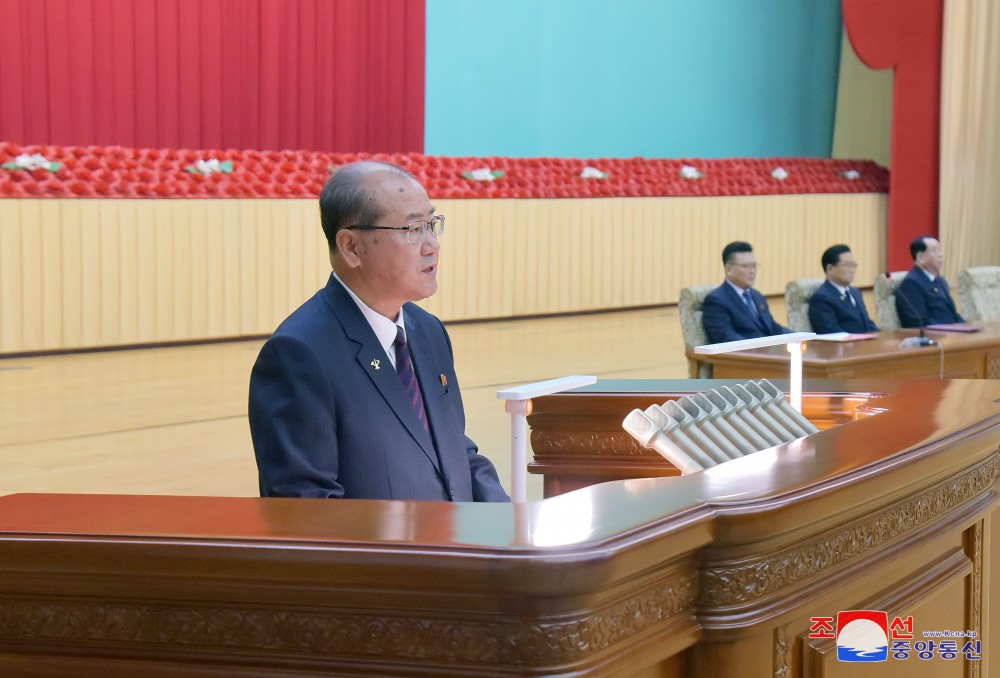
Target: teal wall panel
<point x="654" y="78"/>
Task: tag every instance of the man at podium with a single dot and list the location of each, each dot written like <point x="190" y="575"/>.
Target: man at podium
<point x="355" y="394"/>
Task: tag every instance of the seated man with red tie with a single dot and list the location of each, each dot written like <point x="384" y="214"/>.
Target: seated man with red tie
<point x="836" y="306"/>
<point x="735" y="310"/>
<point x="355" y="394"/>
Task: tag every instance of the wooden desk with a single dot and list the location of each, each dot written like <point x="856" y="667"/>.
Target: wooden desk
<point x="965" y="356"/>
<point x="707" y="575"/>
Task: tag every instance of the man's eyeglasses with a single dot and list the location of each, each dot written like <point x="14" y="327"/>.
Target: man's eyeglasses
<point x="414" y="231"/>
<point x="748" y="267"/>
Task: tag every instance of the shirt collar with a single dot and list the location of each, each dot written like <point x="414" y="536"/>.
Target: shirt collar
<point x="739" y="290"/>
<point x="930" y="275"/>
<point x="844" y="291"/>
<point x="384" y="329"/>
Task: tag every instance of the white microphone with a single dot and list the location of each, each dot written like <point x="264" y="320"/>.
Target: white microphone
<point x="769" y="403"/>
<point x="731" y="415"/>
<point x="778" y="397"/>
<point x="742" y="408"/>
<point x="675" y="432"/>
<point x="706" y="421"/>
<point x="641" y="427"/>
<point x="689" y="426"/>
<point x="757" y="408"/>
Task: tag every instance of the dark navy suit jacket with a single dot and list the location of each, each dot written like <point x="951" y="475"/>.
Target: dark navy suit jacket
<point x="329" y="417"/>
<point x="829" y="311"/>
<point x="726" y="318"/>
<point x="931" y="302"/>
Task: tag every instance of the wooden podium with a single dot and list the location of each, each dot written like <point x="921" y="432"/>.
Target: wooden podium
<point x="714" y="574"/>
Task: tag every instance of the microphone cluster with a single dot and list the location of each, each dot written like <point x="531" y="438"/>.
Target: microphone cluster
<point x="710" y="428"/>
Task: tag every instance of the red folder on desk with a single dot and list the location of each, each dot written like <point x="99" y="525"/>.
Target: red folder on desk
<point x="958" y="327"/>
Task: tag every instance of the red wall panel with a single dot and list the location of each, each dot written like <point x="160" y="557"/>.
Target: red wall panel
<point x="335" y="75"/>
<point x="907" y="37"/>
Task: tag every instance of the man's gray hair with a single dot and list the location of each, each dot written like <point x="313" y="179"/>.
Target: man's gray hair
<point x="346" y="200"/>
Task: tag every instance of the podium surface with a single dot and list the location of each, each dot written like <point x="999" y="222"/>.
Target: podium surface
<point x="718" y="573"/>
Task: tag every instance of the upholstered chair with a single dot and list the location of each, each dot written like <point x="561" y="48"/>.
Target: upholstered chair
<point x="689" y="306"/>
<point x="797" y="295"/>
<point x="979" y="293"/>
<point x="885" y="300"/>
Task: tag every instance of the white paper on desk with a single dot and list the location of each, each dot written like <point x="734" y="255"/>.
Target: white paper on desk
<point x="845" y="336"/>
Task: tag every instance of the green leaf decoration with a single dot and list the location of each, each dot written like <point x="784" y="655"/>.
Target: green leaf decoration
<point x="226" y="166"/>
<point x="496" y="175"/>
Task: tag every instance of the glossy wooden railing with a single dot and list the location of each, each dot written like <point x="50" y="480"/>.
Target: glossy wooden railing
<point x="712" y="574"/>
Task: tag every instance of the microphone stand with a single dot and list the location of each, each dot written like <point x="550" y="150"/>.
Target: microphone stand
<point x="919" y="340"/>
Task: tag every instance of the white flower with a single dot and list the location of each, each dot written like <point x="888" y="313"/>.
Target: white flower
<point x="779" y="173"/>
<point x="208" y="166"/>
<point x="851" y="174"/>
<point x="482" y="174"/>
<point x="31" y="162"/>
<point x="592" y="173"/>
<point x="689" y="172"/>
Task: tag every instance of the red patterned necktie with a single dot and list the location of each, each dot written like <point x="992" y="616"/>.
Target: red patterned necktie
<point x="404" y="368"/>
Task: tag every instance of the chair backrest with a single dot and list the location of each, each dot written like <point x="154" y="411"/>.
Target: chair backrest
<point x="689" y="305"/>
<point x="979" y="292"/>
<point x="797" y="295"/>
<point x="885" y="300"/>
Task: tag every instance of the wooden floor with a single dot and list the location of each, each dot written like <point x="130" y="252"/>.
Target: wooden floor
<point x="174" y="420"/>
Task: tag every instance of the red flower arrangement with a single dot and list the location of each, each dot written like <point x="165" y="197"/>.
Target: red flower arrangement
<point x="116" y="172"/>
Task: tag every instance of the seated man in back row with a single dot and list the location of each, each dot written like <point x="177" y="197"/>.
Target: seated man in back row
<point x="927" y="292"/>
<point x="735" y="310"/>
<point x="835" y="306"/>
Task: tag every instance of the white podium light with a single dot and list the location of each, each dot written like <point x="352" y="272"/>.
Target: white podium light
<point x="518" y="406"/>
<point x="796" y="347"/>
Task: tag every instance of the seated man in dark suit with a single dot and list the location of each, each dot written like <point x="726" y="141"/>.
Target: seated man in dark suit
<point x="929" y="298"/>
<point x="836" y="306"/>
<point x="355" y="394"/>
<point x="735" y="310"/>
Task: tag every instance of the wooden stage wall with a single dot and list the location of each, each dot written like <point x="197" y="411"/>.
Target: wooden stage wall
<point x="94" y="273"/>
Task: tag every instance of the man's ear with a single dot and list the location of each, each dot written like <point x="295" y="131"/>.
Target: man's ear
<point x="348" y="247"/>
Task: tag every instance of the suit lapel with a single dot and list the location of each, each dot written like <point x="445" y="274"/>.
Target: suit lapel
<point x="755" y="299"/>
<point x="946" y="293"/>
<point x="374" y="362"/>
<point x="738" y="299"/>
<point x="428" y="376"/>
